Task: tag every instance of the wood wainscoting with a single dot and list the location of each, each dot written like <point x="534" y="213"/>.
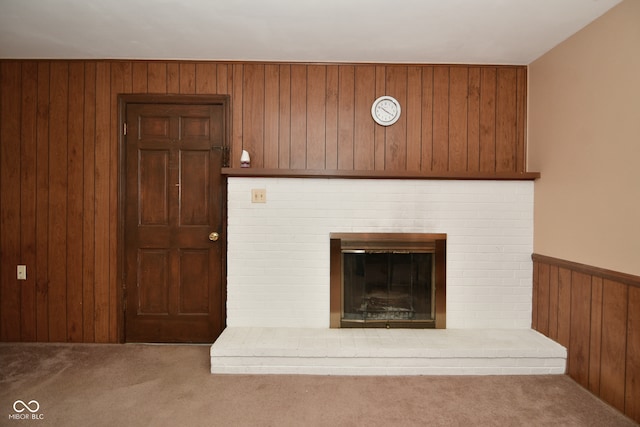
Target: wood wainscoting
<point x="595" y="313"/>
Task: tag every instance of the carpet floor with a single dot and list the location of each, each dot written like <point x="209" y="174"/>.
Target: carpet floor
<point x="169" y="385"/>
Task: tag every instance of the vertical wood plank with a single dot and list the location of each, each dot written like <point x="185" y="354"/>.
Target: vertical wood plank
<point x="298" y="116"/>
<point x="271" y="115"/>
<point x="187" y="78"/>
<point x="632" y="384"/>
<point x="363" y="135"/>
<point x="173" y="77"/>
<point x="580" y="325"/>
<point x="157" y="77"/>
<point x="120" y="83"/>
<point x="543" y="299"/>
<point x="140" y="74"/>
<point x="127" y="77"/>
<point x="222" y="79"/>
<point x="440" y="118"/>
<point x="553" y="302"/>
<point x="488" y="119"/>
<point x="101" y="184"/>
<point x="427" y="119"/>
<point x="614" y="342"/>
<point x="346" y="117"/>
<point x="58" y="201"/>
<point x="316" y="110"/>
<point x="206" y="75"/>
<point x="458" y="94"/>
<point x="332" y="118"/>
<point x="473" y="121"/>
<point x="380" y="132"/>
<point x="396" y="135"/>
<point x="596" y="335"/>
<point x="237" y="71"/>
<point x="506" y="115"/>
<point x="534" y="295"/>
<point x="28" y="171"/>
<point x="88" y="225"/>
<point x="564" y="306"/>
<point x="10" y="83"/>
<point x="521" y="117"/>
<point x="284" y="131"/>
<point x="42" y="203"/>
<point x="253" y="113"/>
<point x="414" y="118"/>
<point x="75" y="195"/>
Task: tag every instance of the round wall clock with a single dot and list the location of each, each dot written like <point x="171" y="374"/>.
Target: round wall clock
<point x="385" y="110"/>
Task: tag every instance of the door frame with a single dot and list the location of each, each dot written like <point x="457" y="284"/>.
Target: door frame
<point x="123" y="101"/>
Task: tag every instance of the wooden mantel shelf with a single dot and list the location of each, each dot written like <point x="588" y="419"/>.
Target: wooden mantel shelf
<point x="353" y="174"/>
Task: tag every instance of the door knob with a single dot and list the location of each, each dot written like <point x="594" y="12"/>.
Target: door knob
<point x="213" y="236"/>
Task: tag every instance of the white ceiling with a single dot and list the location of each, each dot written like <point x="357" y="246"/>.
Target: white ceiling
<point x="389" y="31"/>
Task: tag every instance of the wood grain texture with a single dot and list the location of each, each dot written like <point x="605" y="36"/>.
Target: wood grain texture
<point x="75" y="165"/>
<point x="440" y="148"/>
<point x="598" y="322"/>
<point x="58" y="185"/>
<point x="10" y="94"/>
<point x="553" y="301"/>
<point x="58" y="158"/>
<point x="316" y="117"/>
<point x="595" y="346"/>
<point x="543" y="299"/>
<point x="88" y="209"/>
<point x="102" y="311"/>
<point x="614" y="343"/>
<point x="42" y="204"/>
<point x="578" y="350"/>
<point x="534" y="295"/>
<point x="271" y="112"/>
<point x="632" y="385"/>
<point x="28" y="171"/>
<point x="363" y="133"/>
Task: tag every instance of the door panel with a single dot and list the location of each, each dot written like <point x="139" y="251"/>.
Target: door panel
<point x="174" y="198"/>
<point x="153" y="282"/>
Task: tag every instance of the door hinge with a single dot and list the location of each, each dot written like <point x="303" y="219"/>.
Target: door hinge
<point x="124" y="129"/>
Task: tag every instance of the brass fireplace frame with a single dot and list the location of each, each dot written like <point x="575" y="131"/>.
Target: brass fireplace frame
<point x="432" y="242"/>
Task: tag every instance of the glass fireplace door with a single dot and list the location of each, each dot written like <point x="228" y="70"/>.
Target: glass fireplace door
<point x="388" y="288"/>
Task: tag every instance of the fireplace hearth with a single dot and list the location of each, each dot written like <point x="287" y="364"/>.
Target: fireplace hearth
<point x="388" y="280"/>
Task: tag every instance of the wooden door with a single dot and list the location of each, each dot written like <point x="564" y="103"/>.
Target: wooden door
<point x="174" y="201"/>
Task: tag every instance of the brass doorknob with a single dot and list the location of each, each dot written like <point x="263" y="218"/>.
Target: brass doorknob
<point x="213" y="236"/>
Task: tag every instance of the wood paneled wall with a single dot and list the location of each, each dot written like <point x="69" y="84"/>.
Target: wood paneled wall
<point x="454" y="118"/>
<point x="595" y="313"/>
<point x="59" y="156"/>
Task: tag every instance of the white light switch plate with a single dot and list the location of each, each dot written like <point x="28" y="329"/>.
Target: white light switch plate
<point x="258" y="195"/>
<point x="22" y="272"/>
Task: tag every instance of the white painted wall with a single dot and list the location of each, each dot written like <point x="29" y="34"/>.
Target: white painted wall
<point x="278" y="252"/>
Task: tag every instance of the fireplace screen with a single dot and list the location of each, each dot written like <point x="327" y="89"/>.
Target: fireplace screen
<point x="388" y="280"/>
<point x="387" y="286"/>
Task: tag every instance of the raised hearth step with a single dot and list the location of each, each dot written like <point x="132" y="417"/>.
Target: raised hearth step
<point x="386" y="352"/>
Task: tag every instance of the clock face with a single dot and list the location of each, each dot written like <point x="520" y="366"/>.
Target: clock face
<point x="385" y="110"/>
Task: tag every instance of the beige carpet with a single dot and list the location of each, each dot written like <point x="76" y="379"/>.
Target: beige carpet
<point x="168" y="385"/>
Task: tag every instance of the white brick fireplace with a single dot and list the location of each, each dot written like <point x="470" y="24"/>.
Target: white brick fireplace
<point x="278" y="252"/>
<point x="278" y="278"/>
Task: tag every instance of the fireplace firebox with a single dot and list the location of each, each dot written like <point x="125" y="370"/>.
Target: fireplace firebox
<point x="388" y="280"/>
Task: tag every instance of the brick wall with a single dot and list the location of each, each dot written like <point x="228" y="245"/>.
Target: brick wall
<point x="278" y="252"/>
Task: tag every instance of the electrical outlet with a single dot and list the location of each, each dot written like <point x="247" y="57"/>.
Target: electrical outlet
<point x="258" y="195"/>
<point x="22" y="272"/>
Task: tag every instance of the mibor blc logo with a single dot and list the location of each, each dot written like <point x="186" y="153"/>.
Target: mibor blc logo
<point x="26" y="411"/>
